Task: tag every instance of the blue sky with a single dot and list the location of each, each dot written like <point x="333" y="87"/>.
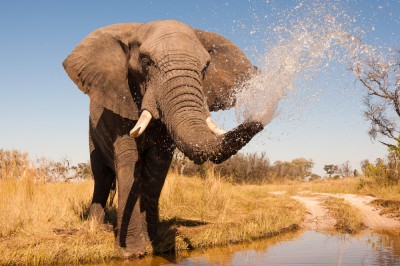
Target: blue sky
<point x="43" y="113"/>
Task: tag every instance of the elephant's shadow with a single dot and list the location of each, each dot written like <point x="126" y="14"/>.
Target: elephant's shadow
<point x="168" y="232"/>
<point x="168" y="229"/>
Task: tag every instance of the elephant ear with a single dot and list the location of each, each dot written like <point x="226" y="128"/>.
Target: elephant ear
<point x="229" y="67"/>
<point x="99" y="67"/>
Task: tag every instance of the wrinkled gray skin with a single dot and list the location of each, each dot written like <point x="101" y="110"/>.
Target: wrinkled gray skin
<point x="178" y="74"/>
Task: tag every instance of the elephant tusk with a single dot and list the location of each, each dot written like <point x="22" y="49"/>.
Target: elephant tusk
<point x="141" y="124"/>
<point x="214" y="127"/>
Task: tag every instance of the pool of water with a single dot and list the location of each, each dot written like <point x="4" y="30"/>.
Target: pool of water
<point x="380" y="247"/>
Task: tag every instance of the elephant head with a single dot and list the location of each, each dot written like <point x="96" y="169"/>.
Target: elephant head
<point x="166" y="70"/>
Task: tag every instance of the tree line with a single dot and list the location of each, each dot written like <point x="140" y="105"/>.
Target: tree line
<point x="246" y="168"/>
<point x="240" y="168"/>
<point x="16" y="164"/>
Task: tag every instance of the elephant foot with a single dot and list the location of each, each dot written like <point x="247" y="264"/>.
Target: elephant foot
<point x="96" y="213"/>
<point x="136" y="248"/>
<point x="130" y="253"/>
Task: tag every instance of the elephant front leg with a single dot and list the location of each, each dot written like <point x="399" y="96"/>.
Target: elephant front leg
<point x="131" y="235"/>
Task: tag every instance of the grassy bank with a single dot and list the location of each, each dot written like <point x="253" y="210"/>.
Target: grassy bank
<point x="40" y="224"/>
<point x="389" y="207"/>
<point x="348" y="218"/>
<point x="228" y="213"/>
<point x="44" y="223"/>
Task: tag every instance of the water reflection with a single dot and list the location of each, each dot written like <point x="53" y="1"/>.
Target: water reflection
<point x="299" y="248"/>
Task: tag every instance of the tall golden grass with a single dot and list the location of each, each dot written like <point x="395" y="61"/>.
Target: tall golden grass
<point x="39" y="224"/>
<point x="227" y="213"/>
<point x="44" y="223"/>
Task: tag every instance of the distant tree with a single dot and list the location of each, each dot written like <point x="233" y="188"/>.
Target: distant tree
<point x="383" y="172"/>
<point x="302" y="167"/>
<point x="355" y="173"/>
<point x="314" y="177"/>
<point x="367" y="167"/>
<point x="82" y="171"/>
<point x="60" y="171"/>
<point x="345" y="169"/>
<point x="240" y="168"/>
<point x="297" y="169"/>
<point x="331" y="169"/>
<point x="251" y="168"/>
<point x="381" y="78"/>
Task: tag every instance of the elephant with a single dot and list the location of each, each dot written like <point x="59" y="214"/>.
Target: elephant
<point x="151" y="88"/>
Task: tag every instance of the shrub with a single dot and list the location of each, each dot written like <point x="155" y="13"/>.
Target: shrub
<point x="249" y="168"/>
<point x="384" y="172"/>
<point x="245" y="168"/>
<point x="13" y="164"/>
<point x="16" y="164"/>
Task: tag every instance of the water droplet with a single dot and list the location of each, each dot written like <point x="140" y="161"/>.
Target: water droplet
<point x="302" y="48"/>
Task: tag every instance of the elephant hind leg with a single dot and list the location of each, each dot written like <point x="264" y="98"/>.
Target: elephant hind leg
<point x="154" y="172"/>
<point x="104" y="178"/>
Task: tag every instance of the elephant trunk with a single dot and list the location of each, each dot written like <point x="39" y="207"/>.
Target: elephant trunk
<point x="184" y="111"/>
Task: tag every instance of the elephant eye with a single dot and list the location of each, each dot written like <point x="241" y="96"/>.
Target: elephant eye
<point x="203" y="72"/>
<point x="145" y="61"/>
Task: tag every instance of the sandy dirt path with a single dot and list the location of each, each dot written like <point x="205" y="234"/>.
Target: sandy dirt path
<point x="371" y="215"/>
<point x="318" y="217"/>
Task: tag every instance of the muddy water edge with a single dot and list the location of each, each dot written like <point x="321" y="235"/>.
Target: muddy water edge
<point x="307" y="247"/>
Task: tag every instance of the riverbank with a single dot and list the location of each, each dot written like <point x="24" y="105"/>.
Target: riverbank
<point x="46" y="223"/>
<point x="347" y="205"/>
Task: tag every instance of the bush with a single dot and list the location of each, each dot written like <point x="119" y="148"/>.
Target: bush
<point x="384" y="172"/>
<point x="314" y="177"/>
<point x="249" y="168"/>
<point x="16" y="164"/>
<point x="245" y="168"/>
<point x="13" y="164"/>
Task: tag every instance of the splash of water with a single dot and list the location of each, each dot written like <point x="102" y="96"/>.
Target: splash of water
<point x="303" y="48"/>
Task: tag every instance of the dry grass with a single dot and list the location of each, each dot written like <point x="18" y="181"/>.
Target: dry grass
<point x="44" y="223"/>
<point x="348" y="218"/>
<point x="347" y="185"/>
<point x="225" y="213"/>
<point x="360" y="186"/>
<point x="368" y="187"/>
<point x="40" y="224"/>
<point x="342" y="186"/>
<point x="389" y="207"/>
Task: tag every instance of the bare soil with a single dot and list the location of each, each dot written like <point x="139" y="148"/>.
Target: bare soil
<point x="318" y="217"/>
